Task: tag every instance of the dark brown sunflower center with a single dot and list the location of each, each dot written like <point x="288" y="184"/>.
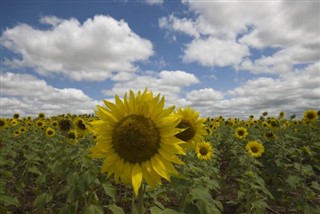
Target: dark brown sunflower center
<point x="72" y="135"/>
<point x="203" y="151"/>
<point x="136" y="138"/>
<point x="81" y="125"/>
<point x="50" y="132"/>
<point x="254" y="149"/>
<point x="240" y="132"/>
<point x="310" y="116"/>
<point x="65" y="125"/>
<point x="189" y="131"/>
<point x="2" y="123"/>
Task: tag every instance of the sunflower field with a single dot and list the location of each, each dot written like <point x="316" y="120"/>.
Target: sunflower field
<point x="136" y="156"/>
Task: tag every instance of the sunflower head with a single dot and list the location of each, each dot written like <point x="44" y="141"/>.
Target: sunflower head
<point x="72" y="137"/>
<point x="80" y="125"/>
<point x="41" y="115"/>
<point x="241" y="132"/>
<point x="204" y="151"/>
<point x="65" y="125"/>
<point x="282" y="114"/>
<point x="16" y="115"/>
<point x="310" y="115"/>
<point x="255" y="148"/>
<point x="136" y="137"/>
<point x="192" y="127"/>
<point x="50" y="132"/>
<point x="3" y="123"/>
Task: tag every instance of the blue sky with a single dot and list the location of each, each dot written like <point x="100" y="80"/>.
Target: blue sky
<point x="234" y="58"/>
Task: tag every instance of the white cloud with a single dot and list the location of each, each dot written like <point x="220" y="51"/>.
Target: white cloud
<point x="167" y="83"/>
<point x="28" y="95"/>
<point x="293" y="28"/>
<point x="154" y="2"/>
<point x="183" y="25"/>
<point x="283" y="60"/>
<point x="213" y="52"/>
<point x="293" y="92"/>
<point x="91" y="51"/>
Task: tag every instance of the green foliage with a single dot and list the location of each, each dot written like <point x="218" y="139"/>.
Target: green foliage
<point x="41" y="174"/>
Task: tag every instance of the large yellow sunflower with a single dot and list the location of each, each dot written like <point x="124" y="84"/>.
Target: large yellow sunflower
<point x="193" y="126"/>
<point x="204" y="151"/>
<point x="136" y="137"/>
<point x="254" y="148"/>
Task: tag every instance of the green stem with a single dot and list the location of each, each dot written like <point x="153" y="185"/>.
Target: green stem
<point x="140" y="198"/>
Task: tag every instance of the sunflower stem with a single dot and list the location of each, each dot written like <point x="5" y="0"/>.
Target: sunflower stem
<point x="140" y="198"/>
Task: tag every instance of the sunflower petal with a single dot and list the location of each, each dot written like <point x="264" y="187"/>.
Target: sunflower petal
<point x="159" y="167"/>
<point x="136" y="176"/>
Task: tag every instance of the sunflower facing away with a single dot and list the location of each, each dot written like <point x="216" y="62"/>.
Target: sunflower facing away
<point x="204" y="151"/>
<point x="193" y="126"/>
<point x="136" y="137"/>
<point x="254" y="148"/>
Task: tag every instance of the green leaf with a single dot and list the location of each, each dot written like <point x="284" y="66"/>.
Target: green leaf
<point x="293" y="181"/>
<point x="259" y="206"/>
<point x="34" y="169"/>
<point x="157" y="210"/>
<point x="93" y="209"/>
<point x="202" y="194"/>
<point x="115" y="209"/>
<point x="72" y="179"/>
<point x="110" y="190"/>
<point x="42" y="200"/>
<point x="8" y="200"/>
<point x="73" y="194"/>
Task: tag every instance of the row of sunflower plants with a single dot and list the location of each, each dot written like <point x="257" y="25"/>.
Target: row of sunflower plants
<point x="136" y="156"/>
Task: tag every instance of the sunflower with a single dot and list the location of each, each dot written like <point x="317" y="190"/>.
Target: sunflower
<point x="265" y="124"/>
<point x="204" y="151"/>
<point x="310" y="115"/>
<point x="241" y="132"/>
<point x="41" y="115"/>
<point x="269" y="135"/>
<point x="50" y="132"/>
<point x="136" y="137"/>
<point x="14" y="122"/>
<point x="254" y="148"/>
<point x="3" y="123"/>
<point x="65" y="125"/>
<point x="55" y="123"/>
<point x="193" y="126"/>
<point x="16" y="115"/>
<point x="80" y="125"/>
<point x="23" y="129"/>
<point x="40" y="123"/>
<point x="282" y="114"/>
<point x="16" y="133"/>
<point x="72" y="137"/>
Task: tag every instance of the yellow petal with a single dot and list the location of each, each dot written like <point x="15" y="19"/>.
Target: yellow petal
<point x="108" y="162"/>
<point x="159" y="167"/>
<point x="170" y="157"/>
<point x="126" y="173"/>
<point x="136" y="175"/>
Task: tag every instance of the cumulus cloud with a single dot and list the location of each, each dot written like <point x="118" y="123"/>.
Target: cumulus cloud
<point x="293" y="93"/>
<point x="93" y="50"/>
<point x="225" y="32"/>
<point x="29" y="95"/>
<point x="167" y="83"/>
<point x="213" y="52"/>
